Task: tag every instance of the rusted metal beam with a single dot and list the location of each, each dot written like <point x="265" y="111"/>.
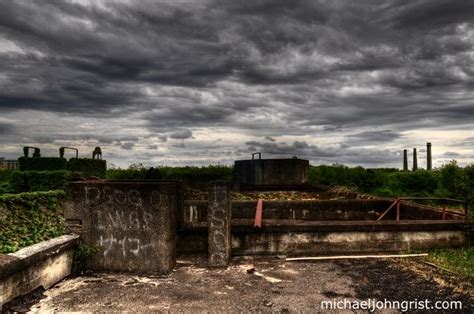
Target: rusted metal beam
<point x="388" y="209"/>
<point x="258" y="214"/>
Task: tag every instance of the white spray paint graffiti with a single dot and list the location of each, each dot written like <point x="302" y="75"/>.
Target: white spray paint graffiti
<point x="125" y="244"/>
<point x="120" y="229"/>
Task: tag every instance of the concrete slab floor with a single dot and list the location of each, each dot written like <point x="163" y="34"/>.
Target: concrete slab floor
<point x="265" y="284"/>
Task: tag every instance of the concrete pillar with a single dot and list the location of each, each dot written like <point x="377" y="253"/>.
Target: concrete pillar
<point x="219" y="224"/>
<point x="415" y="160"/>
<point x="428" y="156"/>
<point x="405" y="160"/>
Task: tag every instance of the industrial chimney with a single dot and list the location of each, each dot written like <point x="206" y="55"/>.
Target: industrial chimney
<point x="405" y="160"/>
<point x="415" y="160"/>
<point x="428" y="156"/>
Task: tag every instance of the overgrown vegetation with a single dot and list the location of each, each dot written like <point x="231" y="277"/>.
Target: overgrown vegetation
<point x="32" y="181"/>
<point x="81" y="254"/>
<point x="450" y="180"/>
<point x="460" y="261"/>
<point x="88" y="167"/>
<point x="28" y="218"/>
<point x="5" y="174"/>
<point x="138" y="171"/>
<point x="42" y="163"/>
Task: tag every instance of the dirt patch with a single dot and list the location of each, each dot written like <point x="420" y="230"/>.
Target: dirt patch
<point x="405" y="281"/>
<point x="273" y="286"/>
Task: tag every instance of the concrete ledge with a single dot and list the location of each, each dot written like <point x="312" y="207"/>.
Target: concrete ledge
<point x="324" y="243"/>
<point x="289" y="225"/>
<point x="42" y="264"/>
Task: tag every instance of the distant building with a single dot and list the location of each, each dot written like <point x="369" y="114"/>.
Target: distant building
<point x="9" y="164"/>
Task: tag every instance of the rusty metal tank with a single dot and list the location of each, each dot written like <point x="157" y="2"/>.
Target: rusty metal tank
<point x="258" y="171"/>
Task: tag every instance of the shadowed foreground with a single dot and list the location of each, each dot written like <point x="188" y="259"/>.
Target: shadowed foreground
<point x="256" y="284"/>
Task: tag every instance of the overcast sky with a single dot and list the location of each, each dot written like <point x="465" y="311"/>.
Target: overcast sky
<point x="207" y="82"/>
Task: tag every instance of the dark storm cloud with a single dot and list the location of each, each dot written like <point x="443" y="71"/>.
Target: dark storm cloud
<point x="261" y="68"/>
<point x="427" y="14"/>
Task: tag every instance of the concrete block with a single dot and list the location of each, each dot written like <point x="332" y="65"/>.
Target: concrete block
<point x="133" y="223"/>
<point x="219" y="224"/>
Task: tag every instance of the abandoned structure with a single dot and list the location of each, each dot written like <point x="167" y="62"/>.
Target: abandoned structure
<point x="271" y="171"/>
<point x="140" y="225"/>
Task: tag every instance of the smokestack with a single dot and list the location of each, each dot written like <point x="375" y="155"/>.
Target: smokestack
<point x="415" y="160"/>
<point x="428" y="156"/>
<point x="405" y="160"/>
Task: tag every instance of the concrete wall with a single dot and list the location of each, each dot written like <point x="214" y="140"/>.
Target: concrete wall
<point x="318" y="222"/>
<point x="39" y="265"/>
<point x="133" y="223"/>
<point x="297" y="243"/>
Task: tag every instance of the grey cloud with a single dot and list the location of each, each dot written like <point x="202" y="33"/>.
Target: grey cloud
<point x="183" y="134"/>
<point x="127" y="145"/>
<point x="466" y="142"/>
<point x="297" y="148"/>
<point x="328" y="154"/>
<point x="383" y="136"/>
<point x="104" y="140"/>
<point x="161" y="137"/>
<point x="332" y="128"/>
<point x="271" y="139"/>
<point x="6" y="128"/>
<point x="451" y="154"/>
<point x="129" y="139"/>
<point x="300" y="144"/>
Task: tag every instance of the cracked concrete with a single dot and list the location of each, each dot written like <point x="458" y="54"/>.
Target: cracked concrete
<point x="265" y="284"/>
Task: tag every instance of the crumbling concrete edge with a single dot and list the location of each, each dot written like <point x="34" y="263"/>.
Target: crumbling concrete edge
<point x="39" y="265"/>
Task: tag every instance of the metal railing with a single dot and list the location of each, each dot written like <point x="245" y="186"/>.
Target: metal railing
<point x="445" y="201"/>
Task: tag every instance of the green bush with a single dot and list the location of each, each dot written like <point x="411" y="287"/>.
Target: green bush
<point x="88" y="167"/>
<point x="358" y="178"/>
<point x="4" y="188"/>
<point x="29" y="218"/>
<point x="414" y="183"/>
<point x="134" y="172"/>
<point x="5" y="175"/>
<point x="453" y="180"/>
<point x="203" y="174"/>
<point x="30" y="181"/>
<point x="42" y="163"/>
